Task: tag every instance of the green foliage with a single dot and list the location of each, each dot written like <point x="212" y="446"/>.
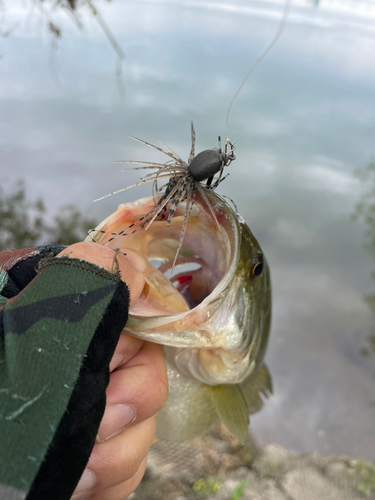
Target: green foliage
<point x="365" y="209"/>
<point x="363" y="475"/>
<point x="22" y="222"/>
<point x="206" y="486"/>
<point x="369" y="351"/>
<point x="239" y="490"/>
<point x="69" y="226"/>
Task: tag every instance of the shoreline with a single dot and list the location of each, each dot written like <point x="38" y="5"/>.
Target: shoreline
<point x="218" y="467"/>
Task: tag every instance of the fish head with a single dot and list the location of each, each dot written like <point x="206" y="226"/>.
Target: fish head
<point x="213" y="315"/>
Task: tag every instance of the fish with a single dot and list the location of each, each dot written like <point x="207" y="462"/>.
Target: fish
<point x="212" y="316"/>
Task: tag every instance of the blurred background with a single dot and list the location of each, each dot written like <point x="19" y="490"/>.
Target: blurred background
<point x="77" y="77"/>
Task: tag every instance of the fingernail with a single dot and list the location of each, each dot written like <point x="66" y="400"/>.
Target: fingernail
<point x="86" y="482"/>
<point x="115" y="418"/>
<point x="115" y="361"/>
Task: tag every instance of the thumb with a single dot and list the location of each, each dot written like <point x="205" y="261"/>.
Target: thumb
<point x="130" y="264"/>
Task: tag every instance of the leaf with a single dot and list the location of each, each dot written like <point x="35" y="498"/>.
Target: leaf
<point x="238" y="491"/>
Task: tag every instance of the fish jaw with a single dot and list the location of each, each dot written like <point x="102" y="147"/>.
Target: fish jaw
<point x="238" y="332"/>
<point x="217" y="341"/>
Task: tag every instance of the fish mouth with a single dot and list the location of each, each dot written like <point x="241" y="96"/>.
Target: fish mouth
<point x="173" y="308"/>
<point x="203" y="314"/>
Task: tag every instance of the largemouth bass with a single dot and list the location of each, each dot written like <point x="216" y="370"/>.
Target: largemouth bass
<point x="212" y="317"/>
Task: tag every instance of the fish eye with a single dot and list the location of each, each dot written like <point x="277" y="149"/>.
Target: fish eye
<point x="257" y="266"/>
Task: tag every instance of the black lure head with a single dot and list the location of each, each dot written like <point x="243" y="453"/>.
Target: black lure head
<point x="206" y="164"/>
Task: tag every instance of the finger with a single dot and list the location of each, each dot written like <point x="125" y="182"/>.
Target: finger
<point x="136" y="391"/>
<point x="131" y="269"/>
<point x="91" y="252"/>
<point x="127" y="347"/>
<point x="118" y="460"/>
<point x="123" y="490"/>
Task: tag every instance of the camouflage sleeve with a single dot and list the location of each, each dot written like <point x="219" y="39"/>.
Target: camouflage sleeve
<point x="58" y="330"/>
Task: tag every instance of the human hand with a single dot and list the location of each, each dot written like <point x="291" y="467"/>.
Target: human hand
<point x="130" y="265"/>
<point x="61" y="326"/>
<point x="137" y="390"/>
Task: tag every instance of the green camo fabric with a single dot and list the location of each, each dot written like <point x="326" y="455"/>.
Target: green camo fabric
<point x="57" y="336"/>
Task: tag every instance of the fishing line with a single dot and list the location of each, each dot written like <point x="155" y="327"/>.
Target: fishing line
<point x="268" y="49"/>
<point x="185" y="178"/>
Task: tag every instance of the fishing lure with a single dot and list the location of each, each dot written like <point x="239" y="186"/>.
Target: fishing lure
<point x="185" y="179"/>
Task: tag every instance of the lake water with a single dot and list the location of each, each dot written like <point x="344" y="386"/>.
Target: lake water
<point x="302" y="124"/>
